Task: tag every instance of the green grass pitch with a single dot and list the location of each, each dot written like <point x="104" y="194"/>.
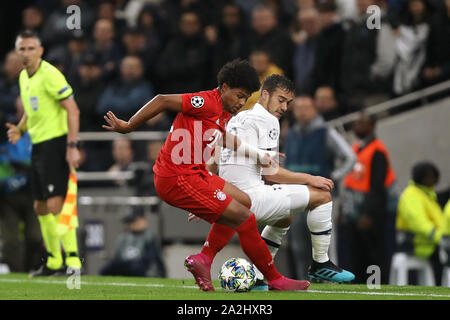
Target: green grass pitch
<point x="19" y="287"/>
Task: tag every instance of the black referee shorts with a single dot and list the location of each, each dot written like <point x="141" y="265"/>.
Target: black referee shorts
<point x="49" y="169"/>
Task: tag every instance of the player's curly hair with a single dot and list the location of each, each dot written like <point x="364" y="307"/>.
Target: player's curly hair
<point x="239" y="74"/>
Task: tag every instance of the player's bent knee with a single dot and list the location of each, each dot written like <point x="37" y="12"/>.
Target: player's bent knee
<point x="318" y="197"/>
<point x="234" y="215"/>
<point x="284" y="223"/>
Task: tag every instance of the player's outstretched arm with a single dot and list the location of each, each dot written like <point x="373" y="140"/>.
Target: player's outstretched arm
<point x="266" y="158"/>
<point x="158" y="104"/>
<point x="284" y="176"/>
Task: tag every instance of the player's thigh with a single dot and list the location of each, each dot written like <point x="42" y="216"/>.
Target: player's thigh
<point x="318" y="197"/>
<point x="234" y="215"/>
<point x="199" y="194"/>
<point x="274" y="203"/>
<point x="237" y="194"/>
<point x="50" y="171"/>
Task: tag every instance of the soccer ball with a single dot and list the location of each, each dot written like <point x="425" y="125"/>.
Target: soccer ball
<point x="237" y="275"/>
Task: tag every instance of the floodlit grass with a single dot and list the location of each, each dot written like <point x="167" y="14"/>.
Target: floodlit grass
<point x="20" y="287"/>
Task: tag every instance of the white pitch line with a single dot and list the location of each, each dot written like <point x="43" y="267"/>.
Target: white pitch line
<point x="157" y="285"/>
<point x="374" y="293"/>
<point x="118" y="284"/>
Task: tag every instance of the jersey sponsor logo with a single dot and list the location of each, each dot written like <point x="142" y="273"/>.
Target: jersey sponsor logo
<point x="197" y="102"/>
<point x="220" y="195"/>
<point x="34" y="103"/>
<point x="273" y="134"/>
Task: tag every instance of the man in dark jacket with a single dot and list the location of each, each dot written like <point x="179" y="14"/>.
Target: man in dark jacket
<point x="268" y="36"/>
<point x="183" y="64"/>
<point x="367" y="223"/>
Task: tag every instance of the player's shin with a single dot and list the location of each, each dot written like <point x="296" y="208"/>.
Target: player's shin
<point x="273" y="236"/>
<point x="320" y="226"/>
<point x="51" y="240"/>
<point x="256" y="249"/>
<point x="218" y="237"/>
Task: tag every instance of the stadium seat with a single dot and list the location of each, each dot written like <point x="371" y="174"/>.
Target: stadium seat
<point x="403" y="263"/>
<point x="446" y="277"/>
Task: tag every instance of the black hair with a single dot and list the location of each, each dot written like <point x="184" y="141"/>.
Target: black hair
<point x="28" y="34"/>
<point x="239" y="74"/>
<point x="421" y="170"/>
<point x="274" y="81"/>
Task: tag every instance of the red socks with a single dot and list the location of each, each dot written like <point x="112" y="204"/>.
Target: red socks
<point x="252" y="244"/>
<point x="256" y="249"/>
<point x="217" y="239"/>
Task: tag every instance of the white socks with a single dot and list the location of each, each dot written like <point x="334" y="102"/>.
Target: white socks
<point x="273" y="237"/>
<point x="319" y="224"/>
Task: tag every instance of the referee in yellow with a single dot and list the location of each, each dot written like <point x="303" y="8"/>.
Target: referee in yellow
<point x="51" y="118"/>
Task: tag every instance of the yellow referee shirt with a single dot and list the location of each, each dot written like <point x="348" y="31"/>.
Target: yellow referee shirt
<point x="40" y="94"/>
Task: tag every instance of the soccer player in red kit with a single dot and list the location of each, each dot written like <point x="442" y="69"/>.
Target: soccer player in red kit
<point x="181" y="178"/>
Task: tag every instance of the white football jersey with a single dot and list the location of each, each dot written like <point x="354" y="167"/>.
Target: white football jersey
<point x="257" y="127"/>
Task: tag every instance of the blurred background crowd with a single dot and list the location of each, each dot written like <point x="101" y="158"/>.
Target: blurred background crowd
<point x="127" y="51"/>
<point x="340" y="57"/>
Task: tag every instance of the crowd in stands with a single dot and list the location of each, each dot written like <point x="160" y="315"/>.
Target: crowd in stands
<point x="125" y="52"/>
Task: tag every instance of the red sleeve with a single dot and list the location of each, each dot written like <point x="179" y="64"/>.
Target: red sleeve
<point x="199" y="105"/>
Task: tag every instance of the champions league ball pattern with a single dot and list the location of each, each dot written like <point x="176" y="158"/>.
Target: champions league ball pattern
<point x="237" y="275"/>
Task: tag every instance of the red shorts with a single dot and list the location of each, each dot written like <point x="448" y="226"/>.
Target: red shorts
<point x="200" y="194"/>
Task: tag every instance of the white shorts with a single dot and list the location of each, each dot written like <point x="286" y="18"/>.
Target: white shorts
<point x="271" y="203"/>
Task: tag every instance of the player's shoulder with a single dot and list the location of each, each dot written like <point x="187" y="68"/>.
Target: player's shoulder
<point x="263" y="117"/>
<point x="22" y="75"/>
<point x="200" y="99"/>
<point x="49" y="69"/>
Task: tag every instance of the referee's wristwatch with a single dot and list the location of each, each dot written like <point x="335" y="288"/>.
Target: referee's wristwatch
<point x="72" y="144"/>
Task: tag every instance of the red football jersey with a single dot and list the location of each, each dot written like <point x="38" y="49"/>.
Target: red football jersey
<point x="193" y="135"/>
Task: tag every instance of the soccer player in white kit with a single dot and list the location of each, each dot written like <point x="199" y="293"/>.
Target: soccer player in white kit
<point x="272" y="203"/>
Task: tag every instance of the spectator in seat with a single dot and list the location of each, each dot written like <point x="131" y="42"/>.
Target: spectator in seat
<point x="437" y="65"/>
<point x="367" y="62"/>
<point x="88" y="89"/>
<point x="268" y="36"/>
<point x="136" y="252"/>
<point x="55" y="32"/>
<point x="9" y="88"/>
<point x="421" y="223"/>
<point x="129" y="91"/>
<point x="136" y="43"/>
<point x="327" y="104"/>
<point x="183" y="64"/>
<point x="106" y="48"/>
<point x="304" y="36"/>
<point x="230" y="39"/>
<point x="326" y="70"/>
<point x="33" y="19"/>
<point x="411" y="38"/>
<point x="260" y="60"/>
